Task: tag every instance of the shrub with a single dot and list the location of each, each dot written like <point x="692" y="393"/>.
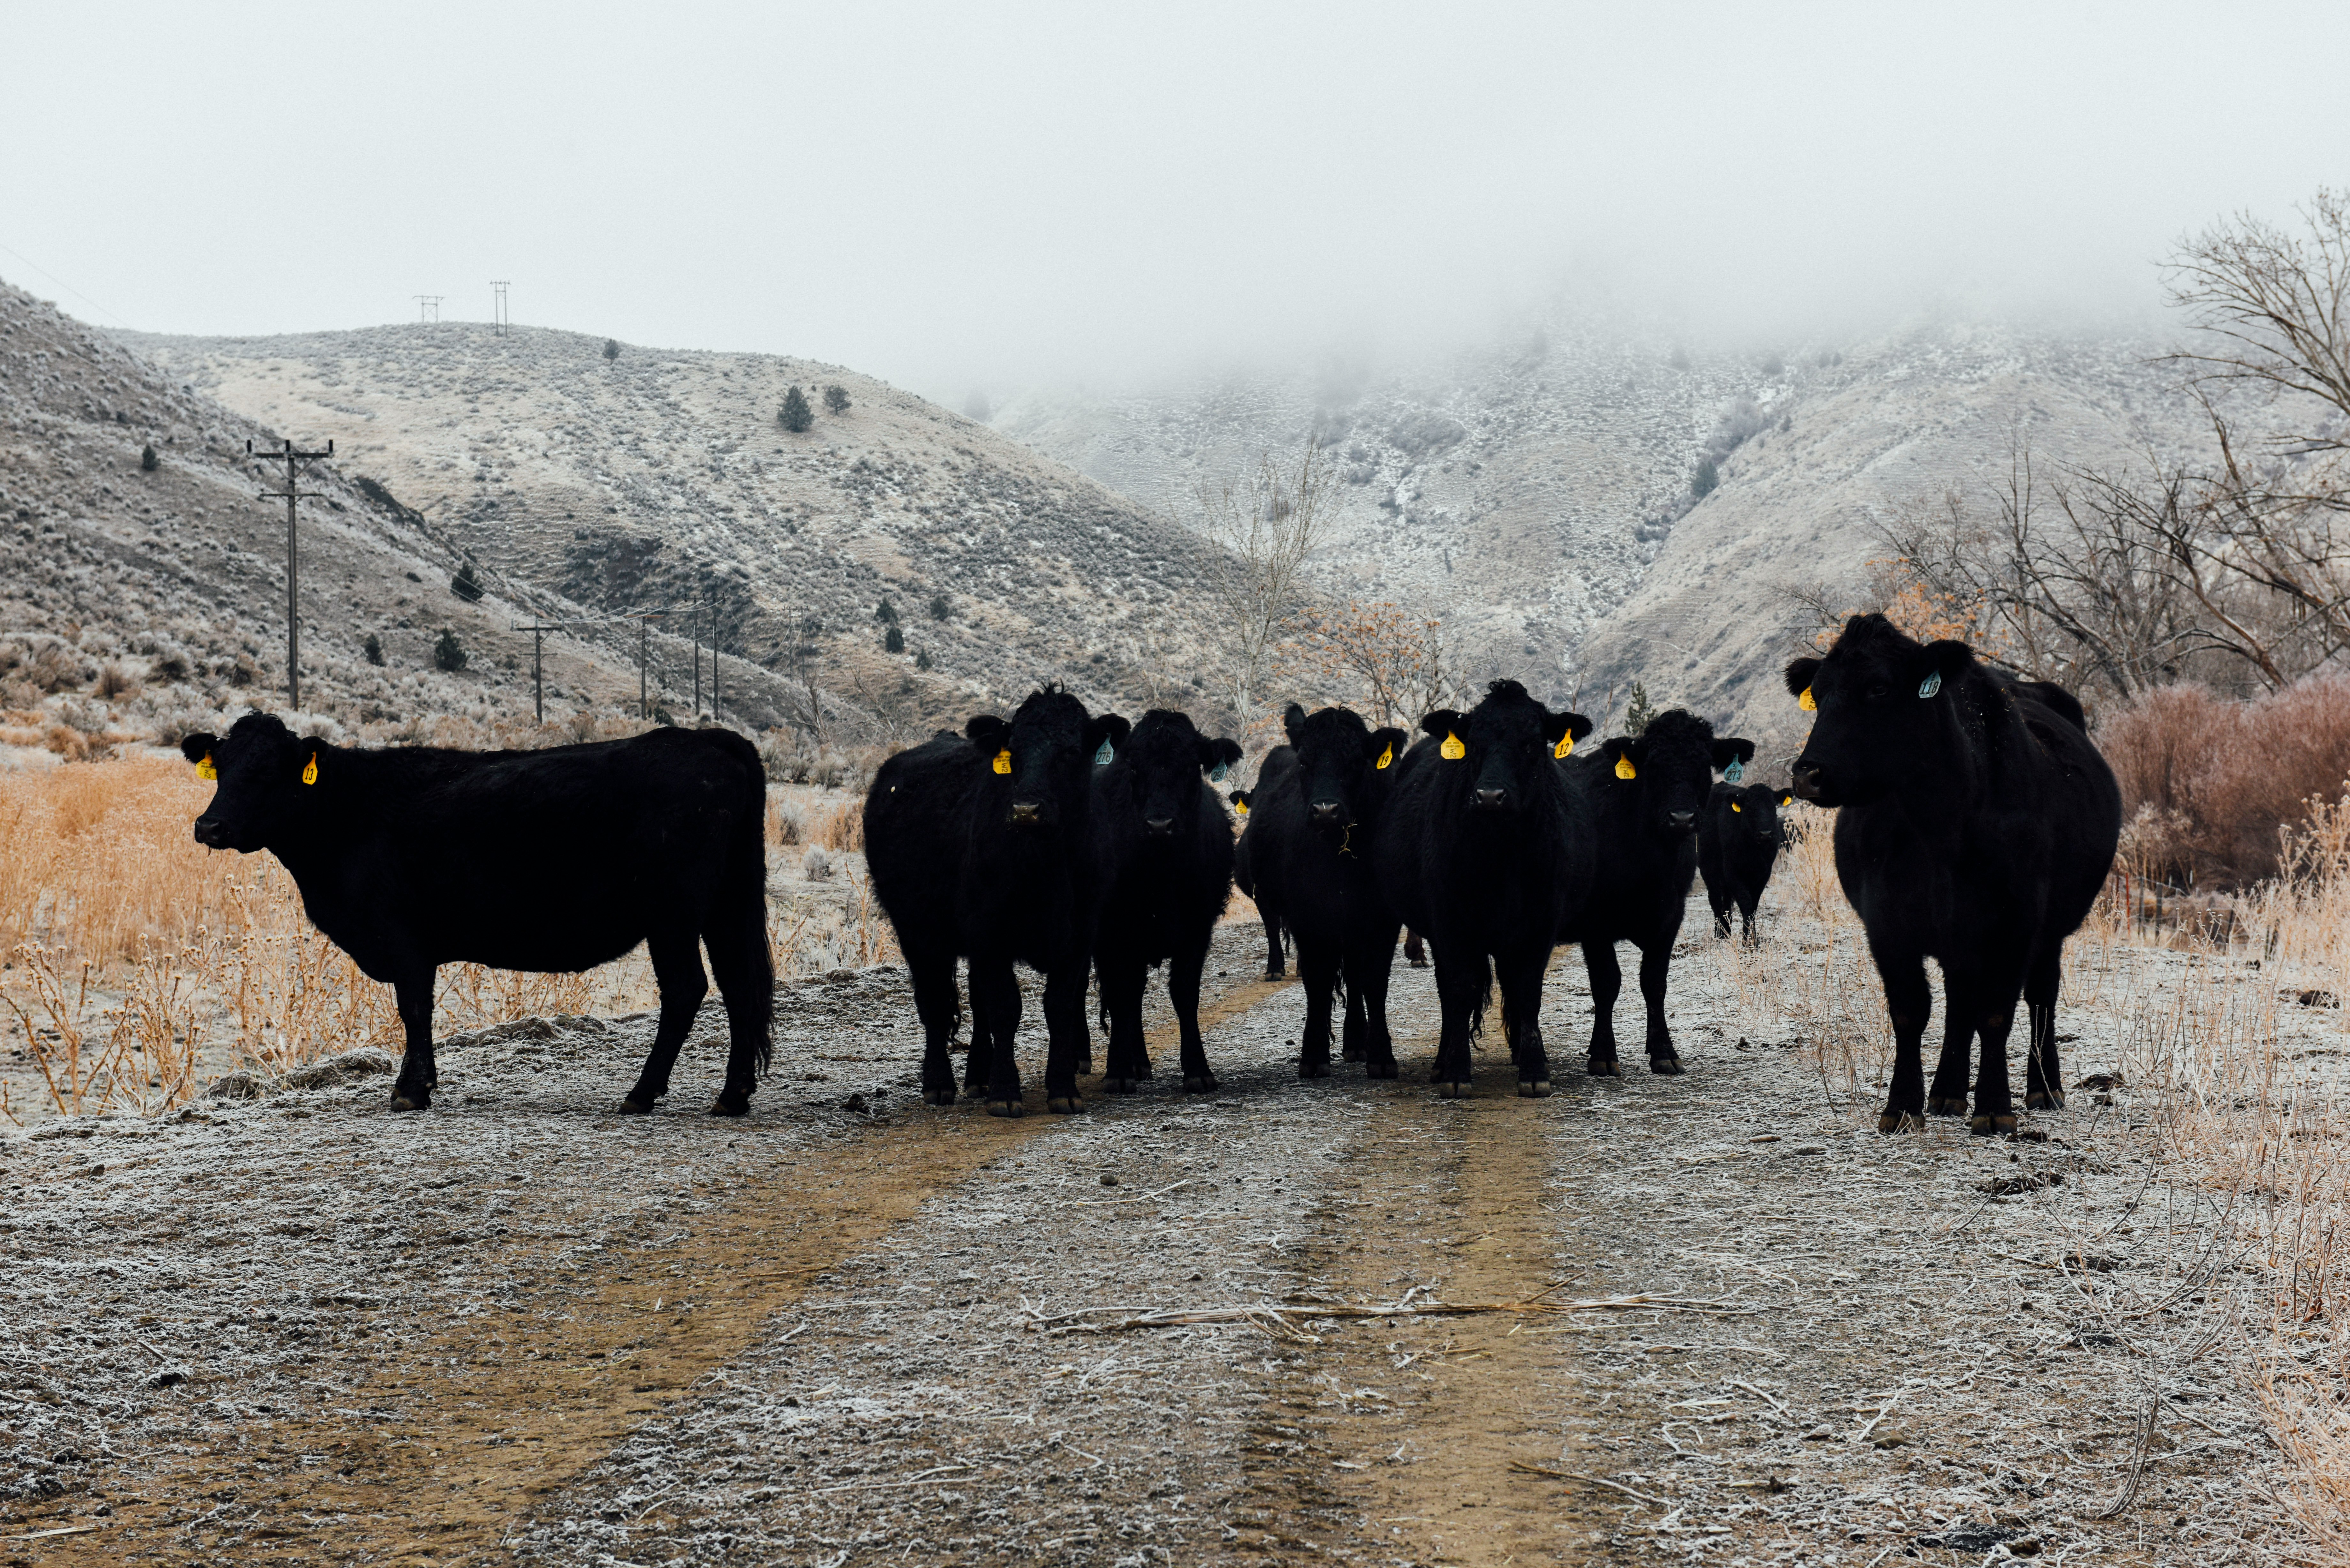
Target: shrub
<point x="836" y="398"/>
<point x="924" y="660"/>
<point x="148" y="461"/>
<point x="2207" y="783"/>
<point x="794" y="415"/>
<point x="939" y="609"/>
<point x="1638" y="711"/>
<point x="114" y="682"/>
<point x="373" y="648"/>
<point x="448" y="653"/>
<point x="466" y="586"/>
<point x="611" y="348"/>
<point x="1774" y="366"/>
<point x="886" y="612"/>
<point x="1705" y="480"/>
<point x="895" y="642"/>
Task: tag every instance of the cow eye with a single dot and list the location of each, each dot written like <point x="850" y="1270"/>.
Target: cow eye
<point x="1878" y="691"/>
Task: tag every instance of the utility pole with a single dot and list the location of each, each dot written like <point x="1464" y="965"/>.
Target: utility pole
<point x="498" y="305"/>
<point x="644" y="619"/>
<point x="428" y="307"/>
<point x="293" y="459"/>
<point x="697" y="661"/>
<point x="538" y="630"/>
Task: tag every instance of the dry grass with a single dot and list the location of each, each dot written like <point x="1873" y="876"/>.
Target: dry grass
<point x="135" y="965"/>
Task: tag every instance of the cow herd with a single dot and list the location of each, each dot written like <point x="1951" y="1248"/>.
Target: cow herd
<point x="1977" y="823"/>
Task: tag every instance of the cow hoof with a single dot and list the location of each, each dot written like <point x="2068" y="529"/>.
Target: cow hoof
<point x="1313" y="1069"/>
<point x="2044" y="1100"/>
<point x="1085" y="1064"/>
<point x="731" y="1104"/>
<point x="1200" y="1084"/>
<point x="1534" y="1089"/>
<point x="1006" y="1108"/>
<point x="1067" y="1106"/>
<point x="1900" y="1122"/>
<point x="1116" y="1087"/>
<point x="1608" y="1068"/>
<point x="1991" y="1126"/>
<point x="1386" y="1069"/>
<point x="1450" y="1090"/>
<point x="633" y="1106"/>
<point x="402" y="1103"/>
<point x="1957" y="1107"/>
<point x="945" y="1096"/>
<point x="1666" y="1066"/>
<point x="1273" y="972"/>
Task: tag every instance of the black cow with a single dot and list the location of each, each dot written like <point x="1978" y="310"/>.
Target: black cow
<point x="1166" y="846"/>
<point x="982" y="846"/>
<point x="1313" y="823"/>
<point x="1977" y="824"/>
<point x="1487" y="852"/>
<point x="1644" y="794"/>
<point x="553" y="861"/>
<point x="1738" y="843"/>
<point x="1244" y="875"/>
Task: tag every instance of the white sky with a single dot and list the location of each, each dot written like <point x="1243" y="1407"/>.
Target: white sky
<point x="950" y="196"/>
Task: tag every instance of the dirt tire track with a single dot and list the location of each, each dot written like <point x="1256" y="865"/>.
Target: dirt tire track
<point x="501" y="1426"/>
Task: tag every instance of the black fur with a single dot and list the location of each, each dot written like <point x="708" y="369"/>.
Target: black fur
<point x="1739" y="839"/>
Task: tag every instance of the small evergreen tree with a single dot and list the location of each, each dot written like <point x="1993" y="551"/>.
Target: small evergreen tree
<point x="1638" y="711"/>
<point x="836" y="398"/>
<point x="895" y="642"/>
<point x="924" y="660"/>
<point x="148" y="461"/>
<point x="794" y="415"/>
<point x="373" y="648"/>
<point x="1707" y="476"/>
<point x="466" y="586"/>
<point x="886" y="612"/>
<point x="611" y="348"/>
<point x="449" y="654"/>
<point x="937" y="607"/>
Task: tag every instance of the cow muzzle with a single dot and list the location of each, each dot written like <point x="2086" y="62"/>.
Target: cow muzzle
<point x="211" y="834"/>
<point x="1158" y="827"/>
<point x="1027" y="813"/>
<point x="1325" y="814"/>
<point x="1810" y="781"/>
<point x="1682" y="821"/>
<point x="1491" y="800"/>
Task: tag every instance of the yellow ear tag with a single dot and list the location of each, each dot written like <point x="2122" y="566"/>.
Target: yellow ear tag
<point x="1735" y="806"/>
<point x="1241" y="807"/>
<point x="1452" y="750"/>
<point x="1386" y="756"/>
<point x="1566" y="746"/>
<point x="1805" y="702"/>
<point x="1003" y="760"/>
<point x="204" y="769"/>
<point x="1625" y="770"/>
<point x="310" y="773"/>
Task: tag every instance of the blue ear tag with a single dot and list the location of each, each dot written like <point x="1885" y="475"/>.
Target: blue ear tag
<point x="1216" y="773"/>
<point x="1931" y="685"/>
<point x="1102" y="758"/>
<point x="1734" y="772"/>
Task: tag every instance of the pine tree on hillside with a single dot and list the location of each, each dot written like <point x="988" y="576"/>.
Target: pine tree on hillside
<point x="836" y="398"/>
<point x="796" y="415"/>
<point x="449" y="654"/>
<point x="895" y="642"/>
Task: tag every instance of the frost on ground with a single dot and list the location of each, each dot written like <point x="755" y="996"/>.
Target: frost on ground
<point x="520" y="1328"/>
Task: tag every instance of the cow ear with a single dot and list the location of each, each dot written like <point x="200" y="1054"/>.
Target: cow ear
<point x="1384" y="745"/>
<point x="988" y="733"/>
<point x="198" y="746"/>
<point x="1616" y="747"/>
<point x="1291" y="717"/>
<point x="1221" y="752"/>
<point x="310" y="750"/>
<point x="1946" y="660"/>
<point x="1800" y="675"/>
<point x="1110" y="728"/>
<point x="1732" y="749"/>
<point x="1444" y="722"/>
<point x="1239" y="797"/>
<point x="1559" y="727"/>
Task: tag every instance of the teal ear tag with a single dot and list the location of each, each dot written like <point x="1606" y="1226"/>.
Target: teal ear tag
<point x="1102" y="758"/>
<point x="1735" y="772"/>
<point x="1931" y="685"/>
<point x="1216" y="775"/>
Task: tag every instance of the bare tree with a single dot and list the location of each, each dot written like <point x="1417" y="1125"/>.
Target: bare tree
<point x="1393" y="662"/>
<point x="1267" y="524"/>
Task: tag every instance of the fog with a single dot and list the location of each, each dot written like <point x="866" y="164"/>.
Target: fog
<point x="961" y="196"/>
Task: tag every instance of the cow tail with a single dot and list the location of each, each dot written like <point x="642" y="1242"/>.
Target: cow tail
<point x="1484" y="996"/>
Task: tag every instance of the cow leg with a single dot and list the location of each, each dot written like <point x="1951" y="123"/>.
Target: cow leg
<point x="1415" y="951"/>
<point x="1068" y="1042"/>
<point x="1318" y="967"/>
<point x="1606" y="980"/>
<point x="2043" y="1075"/>
<point x="1721" y="902"/>
<point x="1123" y="979"/>
<point x="1948" y="1097"/>
<point x="1367" y="980"/>
<point x="1995" y="1021"/>
<point x="412" y="1090"/>
<point x="1746" y="908"/>
<point x="1184" y="972"/>
<point x="1350" y="1032"/>
<point x="677" y="966"/>
<point x="737" y="944"/>
<point x="1522" y="986"/>
<point x="1462" y="986"/>
<point x="1911" y="1002"/>
<point x="1275" y="962"/>
<point x="993" y="1074"/>
<point x="932" y="972"/>
<point x="1656" y="965"/>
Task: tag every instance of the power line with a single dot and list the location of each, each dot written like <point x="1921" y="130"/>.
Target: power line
<point x="293" y="459"/>
<point x="498" y="313"/>
<point x="428" y="307"/>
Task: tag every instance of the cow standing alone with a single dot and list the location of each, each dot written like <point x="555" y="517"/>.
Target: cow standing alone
<point x="1738" y="838"/>
<point x="1977" y="824"/>
<point x="553" y="861"/>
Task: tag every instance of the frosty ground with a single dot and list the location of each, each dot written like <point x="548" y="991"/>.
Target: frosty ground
<point x="520" y="1328"/>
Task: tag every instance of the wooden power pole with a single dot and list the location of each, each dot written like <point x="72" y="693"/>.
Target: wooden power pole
<point x="538" y="630"/>
<point x="292" y="458"/>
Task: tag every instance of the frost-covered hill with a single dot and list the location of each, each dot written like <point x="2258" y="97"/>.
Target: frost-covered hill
<point x="1537" y="496"/>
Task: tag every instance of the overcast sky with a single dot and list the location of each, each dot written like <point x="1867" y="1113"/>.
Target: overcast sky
<point x="951" y="196"/>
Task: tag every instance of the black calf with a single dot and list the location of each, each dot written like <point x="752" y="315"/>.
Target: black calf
<point x="983" y="848"/>
<point x="1168" y="847"/>
<point x="1245" y="875"/>
<point x="1643" y="795"/>
<point x="1738" y="842"/>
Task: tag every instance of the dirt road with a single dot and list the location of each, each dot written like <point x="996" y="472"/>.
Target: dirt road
<point x="522" y="1329"/>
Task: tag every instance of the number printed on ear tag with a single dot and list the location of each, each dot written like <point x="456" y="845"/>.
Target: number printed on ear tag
<point x="310" y="773"/>
<point x="1216" y="775"/>
<point x="1388" y="756"/>
<point x="1805" y="702"/>
<point x="1931" y="685"/>
<point x="1103" y="757"/>
<point x="1733" y="773"/>
<point x="1452" y="750"/>
<point x="1241" y="807"/>
<point x="204" y="769"/>
<point x="1003" y="760"/>
<point x="1625" y="770"/>
<point x="1566" y="746"/>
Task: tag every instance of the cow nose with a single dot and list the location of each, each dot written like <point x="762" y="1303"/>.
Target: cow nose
<point x="1493" y="799"/>
<point x="208" y="832"/>
<point x="1681" y="821"/>
<point x="1324" y="811"/>
<point x="1026" y="813"/>
<point x="1810" y="780"/>
<point x="1161" y="827"/>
